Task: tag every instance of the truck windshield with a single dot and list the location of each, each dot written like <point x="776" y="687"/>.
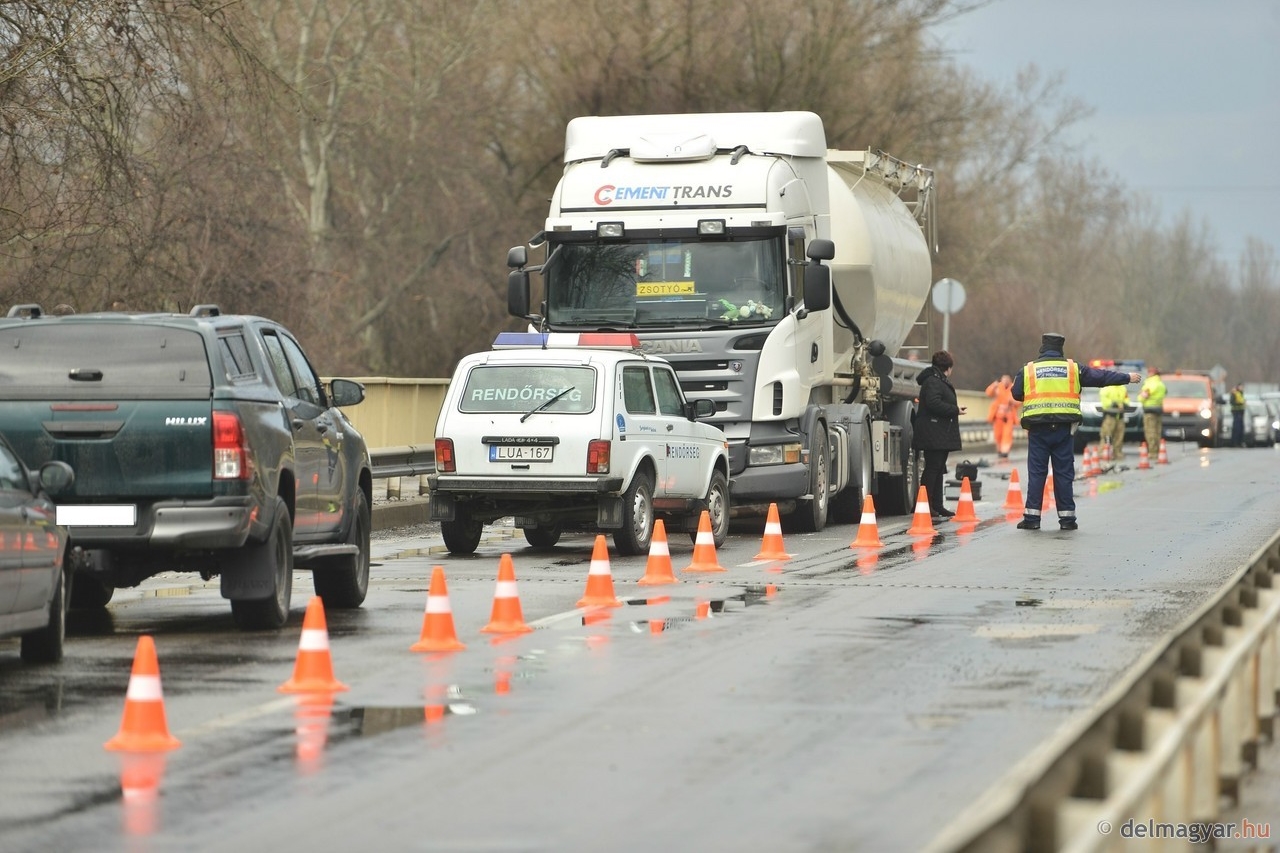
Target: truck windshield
<point x="667" y="282"/>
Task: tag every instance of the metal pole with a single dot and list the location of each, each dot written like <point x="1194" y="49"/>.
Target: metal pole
<point x="946" y="320"/>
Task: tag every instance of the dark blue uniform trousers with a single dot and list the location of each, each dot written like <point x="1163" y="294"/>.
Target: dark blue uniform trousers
<point x="1044" y="443"/>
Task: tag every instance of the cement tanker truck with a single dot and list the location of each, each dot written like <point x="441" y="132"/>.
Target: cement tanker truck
<point x="778" y="277"/>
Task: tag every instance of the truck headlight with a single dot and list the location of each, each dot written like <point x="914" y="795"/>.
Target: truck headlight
<point x="774" y="454"/>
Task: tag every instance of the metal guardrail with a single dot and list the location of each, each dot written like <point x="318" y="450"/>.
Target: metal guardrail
<point x="413" y="460"/>
<point x="1167" y="745"/>
<point x="405" y="461"/>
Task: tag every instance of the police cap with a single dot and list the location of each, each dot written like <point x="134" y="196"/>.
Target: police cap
<point x="1052" y="342"/>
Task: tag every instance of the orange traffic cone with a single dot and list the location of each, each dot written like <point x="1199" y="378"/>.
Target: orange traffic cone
<point x="771" y="546"/>
<point x="1048" y="501"/>
<point x="143" y="727"/>
<point x="964" y="507"/>
<point x="922" y="521"/>
<point x="868" y="535"/>
<point x="1144" y="459"/>
<point x="1013" y="500"/>
<point x="313" y="670"/>
<point x="1163" y="457"/>
<point x="658" y="570"/>
<point x="438" y="634"/>
<point x="1092" y="467"/>
<point x="1106" y="453"/>
<point x="704" y="548"/>
<point x="506" y="617"/>
<point x="599" y="578"/>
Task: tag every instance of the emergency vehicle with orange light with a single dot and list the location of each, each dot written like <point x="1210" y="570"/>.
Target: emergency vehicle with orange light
<point x="575" y="431"/>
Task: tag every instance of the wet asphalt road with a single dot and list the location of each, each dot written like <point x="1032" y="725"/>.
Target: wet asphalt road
<point x="849" y="707"/>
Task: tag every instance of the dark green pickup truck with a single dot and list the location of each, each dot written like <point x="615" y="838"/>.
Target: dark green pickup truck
<point x="201" y="442"/>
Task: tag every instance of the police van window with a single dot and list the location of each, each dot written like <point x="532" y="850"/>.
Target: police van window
<point x="519" y="388"/>
<point x="637" y="391"/>
<point x="669" y="399"/>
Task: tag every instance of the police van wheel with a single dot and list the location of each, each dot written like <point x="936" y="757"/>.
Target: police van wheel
<point x="633" y="537"/>
<point x="718" y="508"/>
<point x="462" y="535"/>
<point x="542" y="537"/>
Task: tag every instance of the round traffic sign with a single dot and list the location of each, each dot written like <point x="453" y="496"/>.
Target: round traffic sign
<point x="948" y="296"/>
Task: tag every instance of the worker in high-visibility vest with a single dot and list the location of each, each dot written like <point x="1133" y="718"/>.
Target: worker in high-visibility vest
<point x="1237" y="416"/>
<point x="1114" y="400"/>
<point x="1152" y="398"/>
<point x="1002" y="414"/>
<point x="1049" y="389"/>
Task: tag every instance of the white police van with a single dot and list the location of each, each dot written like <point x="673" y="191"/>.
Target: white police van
<point x="568" y="431"/>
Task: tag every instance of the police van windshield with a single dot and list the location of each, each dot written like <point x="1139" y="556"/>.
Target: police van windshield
<point x="522" y="388"/>
<point x="667" y="282"/>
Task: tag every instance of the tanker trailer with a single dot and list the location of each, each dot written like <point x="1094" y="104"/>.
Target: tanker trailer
<point x="706" y="235"/>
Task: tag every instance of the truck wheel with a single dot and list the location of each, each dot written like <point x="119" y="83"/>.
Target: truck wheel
<point x="346" y="583"/>
<point x="899" y="493"/>
<point x="812" y="517"/>
<point x="718" y="507"/>
<point x="273" y="557"/>
<point x="462" y="535"/>
<point x="44" y="645"/>
<point x="542" y="537"/>
<point x="637" y="516"/>
<point x="846" y="507"/>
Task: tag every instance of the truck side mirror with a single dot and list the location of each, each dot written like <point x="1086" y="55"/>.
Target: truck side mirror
<point x="518" y="292"/>
<point x="817" y="287"/>
<point x="820" y="250"/>
<point x="517" y="256"/>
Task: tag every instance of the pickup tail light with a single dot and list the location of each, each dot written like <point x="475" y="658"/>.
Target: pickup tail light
<point x="230" y="448"/>
<point x="445" y="462"/>
<point x="598" y="456"/>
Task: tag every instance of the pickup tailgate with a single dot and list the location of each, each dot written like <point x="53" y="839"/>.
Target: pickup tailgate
<point x="128" y="406"/>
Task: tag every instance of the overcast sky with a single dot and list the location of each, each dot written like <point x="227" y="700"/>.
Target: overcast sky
<point x="1185" y="93"/>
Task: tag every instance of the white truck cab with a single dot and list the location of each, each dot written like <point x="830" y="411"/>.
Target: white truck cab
<point x="569" y="431"/>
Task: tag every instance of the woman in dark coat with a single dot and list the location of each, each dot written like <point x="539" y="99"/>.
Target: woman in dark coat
<point x="937" y="427"/>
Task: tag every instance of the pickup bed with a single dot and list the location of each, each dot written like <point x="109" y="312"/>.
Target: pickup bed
<point x="201" y="442"/>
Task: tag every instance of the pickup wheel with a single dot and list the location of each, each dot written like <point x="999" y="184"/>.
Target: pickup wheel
<point x="462" y="535"/>
<point x="542" y="537"/>
<point x="637" y="516"/>
<point x="718" y="507"/>
<point x="346" y="583"/>
<point x="274" y="557"/>
<point x="89" y="592"/>
<point x="44" y="645"/>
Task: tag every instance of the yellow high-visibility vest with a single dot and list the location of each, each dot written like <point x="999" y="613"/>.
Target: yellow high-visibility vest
<point x="1051" y="392"/>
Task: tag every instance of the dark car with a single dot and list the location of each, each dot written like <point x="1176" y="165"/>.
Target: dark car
<point x="1089" y="431"/>
<point x="35" y="556"/>
<point x="202" y="442"/>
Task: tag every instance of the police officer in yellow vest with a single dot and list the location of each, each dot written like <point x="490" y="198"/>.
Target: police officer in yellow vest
<point x="1114" y="399"/>
<point x="1049" y="389"/>
<point x="1152" y="398"/>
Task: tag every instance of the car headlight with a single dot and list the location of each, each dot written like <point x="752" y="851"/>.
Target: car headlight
<point x="1206" y="413"/>
<point x="774" y="454"/>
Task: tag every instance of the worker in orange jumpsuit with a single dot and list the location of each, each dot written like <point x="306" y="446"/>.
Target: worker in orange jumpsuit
<point x="1002" y="414"/>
